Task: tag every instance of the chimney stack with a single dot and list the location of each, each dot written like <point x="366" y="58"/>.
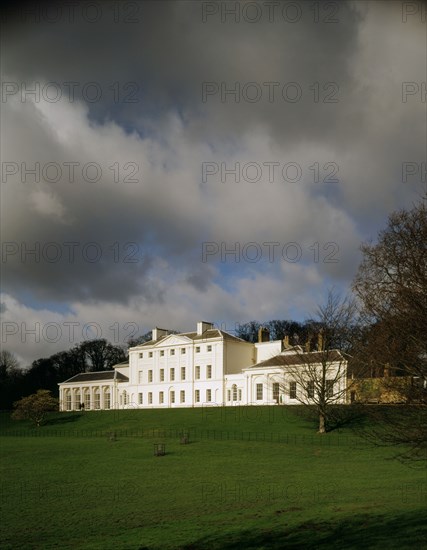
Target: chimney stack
<point x="320" y="340"/>
<point x="158" y="333"/>
<point x="203" y="326"/>
<point x="307" y="344"/>
<point x="286" y="341"/>
<point x="263" y="334"/>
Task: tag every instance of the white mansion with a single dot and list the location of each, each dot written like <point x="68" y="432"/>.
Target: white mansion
<point x="194" y="369"/>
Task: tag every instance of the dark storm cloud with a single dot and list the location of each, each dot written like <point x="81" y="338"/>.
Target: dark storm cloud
<point x="170" y="52"/>
<point x="151" y="75"/>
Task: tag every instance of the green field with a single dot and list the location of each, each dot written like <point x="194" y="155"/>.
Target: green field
<point x="253" y="477"/>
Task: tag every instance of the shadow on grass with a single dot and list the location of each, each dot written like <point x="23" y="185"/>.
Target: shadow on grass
<point x="63" y="419"/>
<point x="362" y="531"/>
<point x="354" y="417"/>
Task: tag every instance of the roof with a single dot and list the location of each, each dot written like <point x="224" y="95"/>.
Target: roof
<point x="207" y="335"/>
<point x="97" y="376"/>
<point x="288" y="359"/>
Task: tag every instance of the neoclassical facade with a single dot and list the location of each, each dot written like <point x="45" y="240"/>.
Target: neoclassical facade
<point x="194" y="369"/>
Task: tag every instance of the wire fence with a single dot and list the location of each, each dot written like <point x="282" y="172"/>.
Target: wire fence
<point x="194" y="435"/>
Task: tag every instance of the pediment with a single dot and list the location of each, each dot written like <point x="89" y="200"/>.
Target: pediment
<point x="173" y="340"/>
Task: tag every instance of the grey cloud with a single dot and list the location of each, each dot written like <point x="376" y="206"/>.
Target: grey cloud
<point x="169" y="54"/>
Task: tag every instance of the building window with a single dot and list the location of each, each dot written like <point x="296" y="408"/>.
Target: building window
<point x="140" y="355"/>
<point x="140" y="398"/>
<point x="68" y="401"/>
<point x="234" y="388"/>
<point x="276" y="391"/>
<point x="87" y="400"/>
<point x="209" y="371"/>
<point x="208" y="395"/>
<point x="107" y="403"/>
<point x="197" y="349"/>
<point x="182" y="396"/>
<point x="182" y="351"/>
<point x="150" y="398"/>
<point x="150" y="354"/>
<point x="209" y="348"/>
<point x="172" y="397"/>
<point x="197" y="396"/>
<point x="125" y="398"/>
<point x="162" y="375"/>
<point x="240" y="395"/>
<point x="182" y="373"/>
<point x="292" y="390"/>
<point x="97" y="402"/>
<point x="197" y="373"/>
<point x="172" y="352"/>
<point x="259" y="392"/>
<point x="228" y="395"/>
<point x="140" y="377"/>
<point x="172" y="374"/>
<point x="329" y="388"/>
<point x="161" y="397"/>
<point x="162" y="353"/>
<point x="150" y="375"/>
<point x="310" y="389"/>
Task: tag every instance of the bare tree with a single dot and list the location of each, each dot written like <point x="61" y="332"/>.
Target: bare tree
<point x="102" y="355"/>
<point x="248" y="331"/>
<point x="391" y="285"/>
<point x="11" y="379"/>
<point x="8" y="363"/>
<point x="137" y="341"/>
<point x="318" y="379"/>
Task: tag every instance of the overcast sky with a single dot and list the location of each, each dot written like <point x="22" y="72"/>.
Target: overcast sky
<point x="152" y="194"/>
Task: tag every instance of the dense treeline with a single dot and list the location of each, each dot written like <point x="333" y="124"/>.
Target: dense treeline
<point x="300" y="334"/>
<point x="297" y="332"/>
<point x="46" y="373"/>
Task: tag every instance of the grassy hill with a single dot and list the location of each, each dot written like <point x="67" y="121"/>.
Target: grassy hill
<point x="257" y="477"/>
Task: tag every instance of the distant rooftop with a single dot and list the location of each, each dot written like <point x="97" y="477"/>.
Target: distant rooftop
<point x="207" y="335"/>
<point x="99" y="376"/>
<point x="299" y="358"/>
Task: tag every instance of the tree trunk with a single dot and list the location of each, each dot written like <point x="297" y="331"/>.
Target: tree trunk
<point x="322" y="423"/>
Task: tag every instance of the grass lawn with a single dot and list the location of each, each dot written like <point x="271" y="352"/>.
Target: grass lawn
<point x="257" y="477"/>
